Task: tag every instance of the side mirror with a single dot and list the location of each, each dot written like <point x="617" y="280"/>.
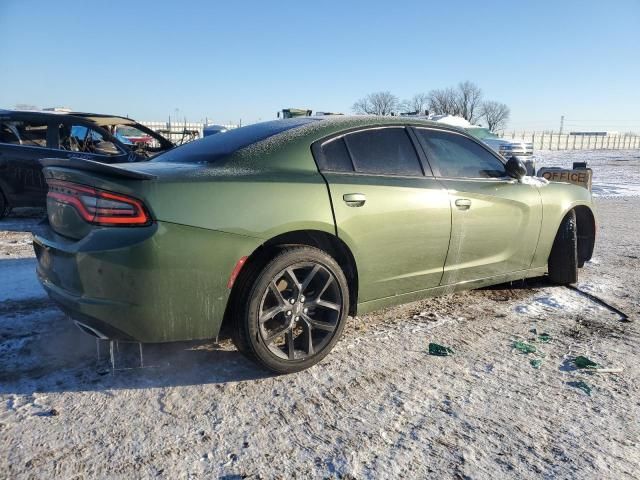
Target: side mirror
<point x="515" y="168"/>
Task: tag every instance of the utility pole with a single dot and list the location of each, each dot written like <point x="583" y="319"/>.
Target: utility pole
<point x="561" y="123"/>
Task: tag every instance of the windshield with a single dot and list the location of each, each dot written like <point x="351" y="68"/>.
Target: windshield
<point x="129" y="131"/>
<point x="214" y="147"/>
<point x="481" y="133"/>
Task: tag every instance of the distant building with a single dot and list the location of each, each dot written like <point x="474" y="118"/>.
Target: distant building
<point x="593" y="134"/>
<point x="58" y="109"/>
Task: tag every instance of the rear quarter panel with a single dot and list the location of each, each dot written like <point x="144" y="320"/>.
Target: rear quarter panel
<point x="262" y="191"/>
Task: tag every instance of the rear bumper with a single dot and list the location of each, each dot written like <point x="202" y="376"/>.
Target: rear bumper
<point x="161" y="283"/>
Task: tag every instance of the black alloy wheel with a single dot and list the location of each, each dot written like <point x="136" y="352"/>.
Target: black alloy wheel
<point x="290" y="313"/>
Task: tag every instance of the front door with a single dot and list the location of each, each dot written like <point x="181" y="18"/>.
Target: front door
<point x="395" y="219"/>
<point x="83" y="141"/>
<point x="496" y="220"/>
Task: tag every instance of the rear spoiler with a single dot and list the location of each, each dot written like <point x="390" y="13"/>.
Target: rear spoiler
<point x="96" y="167"/>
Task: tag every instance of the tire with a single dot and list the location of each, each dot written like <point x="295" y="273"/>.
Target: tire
<point x="563" y="260"/>
<point x="290" y="309"/>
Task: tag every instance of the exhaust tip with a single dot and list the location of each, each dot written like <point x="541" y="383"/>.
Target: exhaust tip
<point x="90" y="330"/>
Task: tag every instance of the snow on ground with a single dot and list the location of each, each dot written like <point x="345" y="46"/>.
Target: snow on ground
<point x="18" y="280"/>
<point x="616" y="173"/>
<point x="378" y="407"/>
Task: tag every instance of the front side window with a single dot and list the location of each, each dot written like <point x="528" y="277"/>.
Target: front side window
<point x="33" y="134"/>
<point x="481" y="133"/>
<point x="459" y="157"/>
<point x="79" y="138"/>
<point x="385" y="151"/>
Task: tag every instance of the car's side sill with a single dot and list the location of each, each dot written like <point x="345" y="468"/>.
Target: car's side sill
<point x="445" y="289"/>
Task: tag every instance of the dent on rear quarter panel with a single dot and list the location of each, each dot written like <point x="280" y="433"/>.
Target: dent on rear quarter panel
<point x="557" y="200"/>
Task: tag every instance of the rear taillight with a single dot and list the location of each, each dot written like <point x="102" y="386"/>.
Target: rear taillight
<point x="99" y="207"/>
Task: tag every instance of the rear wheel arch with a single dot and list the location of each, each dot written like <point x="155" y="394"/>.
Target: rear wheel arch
<point x="328" y="243"/>
<point x="324" y="241"/>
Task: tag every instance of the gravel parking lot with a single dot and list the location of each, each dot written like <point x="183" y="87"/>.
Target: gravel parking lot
<point x="378" y="407"/>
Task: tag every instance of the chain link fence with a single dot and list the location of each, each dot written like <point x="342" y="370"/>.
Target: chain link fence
<point x="180" y="132"/>
<point x="564" y="141"/>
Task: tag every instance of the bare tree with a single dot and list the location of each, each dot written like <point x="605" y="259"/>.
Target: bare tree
<point x="378" y="103"/>
<point x="463" y="101"/>
<point x="469" y="99"/>
<point x="495" y="114"/>
<point x="443" y="101"/>
<point x="419" y="103"/>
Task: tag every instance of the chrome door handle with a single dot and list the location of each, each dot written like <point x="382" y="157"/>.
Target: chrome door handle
<point x="354" y="199"/>
<point x="463" y="203"/>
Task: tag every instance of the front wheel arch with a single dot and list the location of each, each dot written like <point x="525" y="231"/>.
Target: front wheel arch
<point x="563" y="258"/>
<point x="586" y="224"/>
<point x="5" y="207"/>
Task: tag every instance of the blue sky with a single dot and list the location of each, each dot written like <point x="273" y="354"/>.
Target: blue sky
<point x="246" y="60"/>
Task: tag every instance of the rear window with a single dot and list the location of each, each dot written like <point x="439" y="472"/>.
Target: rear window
<point x="212" y="148"/>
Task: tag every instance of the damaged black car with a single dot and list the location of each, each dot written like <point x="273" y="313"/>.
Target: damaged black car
<point x="27" y="136"/>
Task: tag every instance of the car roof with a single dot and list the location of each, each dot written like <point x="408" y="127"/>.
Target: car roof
<point x="96" y="118"/>
<point x="324" y="126"/>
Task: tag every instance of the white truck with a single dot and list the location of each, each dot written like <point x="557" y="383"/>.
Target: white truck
<point x="507" y="147"/>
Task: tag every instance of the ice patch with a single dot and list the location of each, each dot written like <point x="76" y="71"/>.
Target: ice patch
<point x="18" y="280"/>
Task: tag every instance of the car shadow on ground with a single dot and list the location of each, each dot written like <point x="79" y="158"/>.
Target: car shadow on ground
<point x="524" y="284"/>
<point x="53" y="355"/>
<point x="22" y="220"/>
<point x="64" y="359"/>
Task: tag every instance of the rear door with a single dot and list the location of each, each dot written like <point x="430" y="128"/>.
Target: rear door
<point x="395" y="218"/>
<point x="24" y="142"/>
<point x="496" y="220"/>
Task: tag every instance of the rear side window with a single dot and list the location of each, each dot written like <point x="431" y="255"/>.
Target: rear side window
<point x="459" y="157"/>
<point x="385" y="151"/>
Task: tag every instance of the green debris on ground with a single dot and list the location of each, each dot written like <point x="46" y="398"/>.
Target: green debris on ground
<point x="584" y="362"/>
<point x="544" y="338"/>
<point x="536" y="363"/>
<point x="580" y="385"/>
<point x="524" y="347"/>
<point x="439" y="350"/>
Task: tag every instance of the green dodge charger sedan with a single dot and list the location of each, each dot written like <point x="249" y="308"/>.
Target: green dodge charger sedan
<point x="282" y="229"/>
